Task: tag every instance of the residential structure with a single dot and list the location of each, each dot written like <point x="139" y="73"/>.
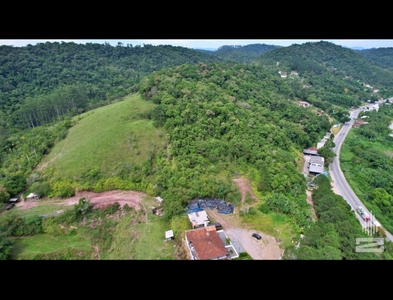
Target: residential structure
<point x="316" y="165"/>
<point x="206" y="244"/>
<point x="311" y="151"/>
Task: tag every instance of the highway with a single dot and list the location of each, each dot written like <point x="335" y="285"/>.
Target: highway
<point x="341" y="186"/>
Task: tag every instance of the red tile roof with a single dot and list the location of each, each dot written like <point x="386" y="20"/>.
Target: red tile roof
<point x="206" y="242"/>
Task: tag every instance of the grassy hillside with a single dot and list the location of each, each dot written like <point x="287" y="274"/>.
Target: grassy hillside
<point x="110" y="233"/>
<point x="105" y="138"/>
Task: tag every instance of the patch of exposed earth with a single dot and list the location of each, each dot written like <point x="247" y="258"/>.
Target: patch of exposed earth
<point x="98" y="200"/>
<point x="244" y="186"/>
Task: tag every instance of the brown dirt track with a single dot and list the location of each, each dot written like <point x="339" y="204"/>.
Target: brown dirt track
<point x="131" y="198"/>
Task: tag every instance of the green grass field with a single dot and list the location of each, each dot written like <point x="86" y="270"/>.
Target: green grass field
<point x="276" y="225"/>
<point x="136" y="236"/>
<point x="142" y="238"/>
<point x="46" y="207"/>
<point x="28" y="247"/>
<point x="104" y="137"/>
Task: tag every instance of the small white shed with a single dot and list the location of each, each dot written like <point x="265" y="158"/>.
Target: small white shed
<point x="159" y="200"/>
<point x="169" y="235"/>
<point x="32" y="196"/>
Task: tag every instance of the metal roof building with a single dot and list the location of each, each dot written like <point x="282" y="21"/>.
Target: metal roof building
<point x="310" y="152"/>
<point x="316" y="169"/>
<point x="317" y="160"/>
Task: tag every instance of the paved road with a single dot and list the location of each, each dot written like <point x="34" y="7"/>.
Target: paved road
<point x="341" y="185"/>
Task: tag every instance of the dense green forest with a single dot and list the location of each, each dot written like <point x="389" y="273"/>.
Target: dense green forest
<point x="367" y="161"/>
<point x="381" y="56"/>
<point x="224" y="113"/>
<point x="333" y="236"/>
<point x="34" y="78"/>
<point x="228" y="116"/>
<point x="241" y="54"/>
<point x="336" y="74"/>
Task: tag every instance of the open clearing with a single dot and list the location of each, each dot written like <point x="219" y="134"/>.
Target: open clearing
<point x="266" y="248"/>
<point x="98" y="200"/>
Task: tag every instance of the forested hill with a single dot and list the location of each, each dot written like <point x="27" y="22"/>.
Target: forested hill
<point x="89" y="74"/>
<point x="223" y="118"/>
<point x="322" y="64"/>
<point x="382" y="56"/>
<point x="241" y="54"/>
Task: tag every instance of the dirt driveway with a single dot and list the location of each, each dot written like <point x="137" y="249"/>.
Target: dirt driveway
<point x="265" y="248"/>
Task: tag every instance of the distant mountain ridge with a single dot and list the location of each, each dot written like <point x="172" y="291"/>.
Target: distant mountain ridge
<point x="240" y="53"/>
<point x="330" y="60"/>
<point x="382" y="56"/>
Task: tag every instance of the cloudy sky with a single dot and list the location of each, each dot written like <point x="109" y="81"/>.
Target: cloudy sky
<point x="214" y="43"/>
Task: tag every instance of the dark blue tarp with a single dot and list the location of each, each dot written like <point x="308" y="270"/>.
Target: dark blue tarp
<point x="200" y="204"/>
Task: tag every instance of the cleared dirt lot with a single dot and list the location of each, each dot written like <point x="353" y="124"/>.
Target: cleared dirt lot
<point x="131" y="198"/>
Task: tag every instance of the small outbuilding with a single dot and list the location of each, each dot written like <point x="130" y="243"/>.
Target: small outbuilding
<point x="169" y="235"/>
<point x="32" y="196"/>
<point x="159" y="200"/>
<point x="199" y="219"/>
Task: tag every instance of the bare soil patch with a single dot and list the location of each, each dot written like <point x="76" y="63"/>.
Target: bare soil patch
<point x="98" y="200"/>
<point x="309" y="201"/>
<point x="27" y="204"/>
<point x="244" y="185"/>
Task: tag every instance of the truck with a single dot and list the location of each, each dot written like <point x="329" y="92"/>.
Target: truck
<point x="360" y="210"/>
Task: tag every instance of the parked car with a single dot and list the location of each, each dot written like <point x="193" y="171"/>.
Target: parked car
<point x="9" y="206"/>
<point x="257" y="236"/>
<point x="218" y="226"/>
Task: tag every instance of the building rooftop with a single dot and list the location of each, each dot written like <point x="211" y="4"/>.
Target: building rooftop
<point x="317" y="160"/>
<point x="207" y="243"/>
<point x="169" y="234"/>
<point x="198" y="218"/>
<point x="316" y="168"/>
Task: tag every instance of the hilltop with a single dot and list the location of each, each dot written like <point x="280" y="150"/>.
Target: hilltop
<point x="381" y="56"/>
<point x="240" y="54"/>
<point x="332" y="74"/>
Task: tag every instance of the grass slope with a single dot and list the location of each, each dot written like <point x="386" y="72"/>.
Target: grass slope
<point x="139" y="235"/>
<point x="106" y="137"/>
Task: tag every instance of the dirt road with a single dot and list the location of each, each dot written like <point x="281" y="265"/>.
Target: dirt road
<point x="131" y="198"/>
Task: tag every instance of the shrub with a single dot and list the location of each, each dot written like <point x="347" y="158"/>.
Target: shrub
<point x="63" y="188"/>
<point x="4" y="195"/>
